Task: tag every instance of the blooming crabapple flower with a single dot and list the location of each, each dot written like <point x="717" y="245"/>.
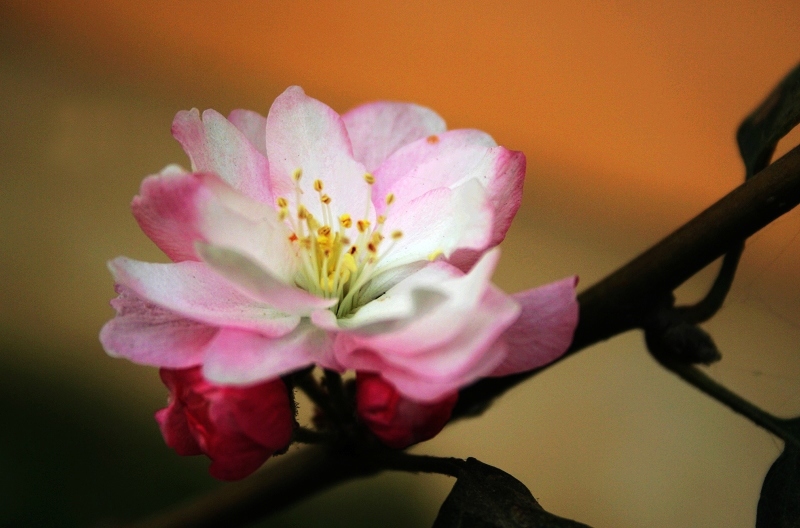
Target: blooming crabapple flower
<point x="397" y="421"/>
<point x="239" y="428"/>
<point x="361" y="241"/>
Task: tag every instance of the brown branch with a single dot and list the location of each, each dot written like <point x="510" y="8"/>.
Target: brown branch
<point x="615" y="304"/>
<point x="608" y="308"/>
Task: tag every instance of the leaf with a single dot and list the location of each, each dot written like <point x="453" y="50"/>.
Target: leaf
<point x="779" y="505"/>
<point x="486" y="497"/>
<point x="774" y="118"/>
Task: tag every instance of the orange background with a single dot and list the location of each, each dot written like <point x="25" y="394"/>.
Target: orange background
<point x="625" y="110"/>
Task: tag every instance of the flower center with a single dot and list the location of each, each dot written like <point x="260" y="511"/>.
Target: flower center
<point x="338" y="255"/>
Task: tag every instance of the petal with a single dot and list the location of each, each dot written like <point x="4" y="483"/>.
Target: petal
<point x="194" y="291"/>
<point x="263" y="412"/>
<point x="178" y="209"/>
<point x="237" y="357"/>
<point x="505" y="194"/>
<point x="472" y="354"/>
<point x="254" y="127"/>
<point x="175" y="430"/>
<point x="162" y="213"/>
<point x="150" y="335"/>
<point x="215" y="145"/>
<point x="303" y="133"/>
<point x="440" y="221"/>
<point x="378" y="129"/>
<point x="444" y="296"/>
<point x="254" y="280"/>
<point x="457" y="157"/>
<point x="544" y="329"/>
<point x="446" y="345"/>
<point x="453" y="154"/>
<point x="397" y="421"/>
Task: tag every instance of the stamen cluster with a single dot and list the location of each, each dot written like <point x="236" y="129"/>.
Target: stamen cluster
<point x="337" y="255"/>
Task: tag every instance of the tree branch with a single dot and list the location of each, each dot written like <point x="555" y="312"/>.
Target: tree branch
<point x="615" y="304"/>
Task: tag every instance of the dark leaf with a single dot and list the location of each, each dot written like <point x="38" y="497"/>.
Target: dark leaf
<point x="779" y="505"/>
<point x="486" y="497"/>
<point x="774" y="118"/>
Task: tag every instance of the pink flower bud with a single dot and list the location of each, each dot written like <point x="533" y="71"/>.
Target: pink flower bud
<point x="239" y="428"/>
<point x="397" y="421"/>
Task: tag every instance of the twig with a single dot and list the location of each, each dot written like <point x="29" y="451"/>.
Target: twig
<point x="697" y="378"/>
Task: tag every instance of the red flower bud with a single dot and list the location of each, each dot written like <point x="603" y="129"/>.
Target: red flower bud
<point x="397" y="421"/>
<point x="239" y="428"/>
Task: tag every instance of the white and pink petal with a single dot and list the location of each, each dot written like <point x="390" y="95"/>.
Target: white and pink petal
<point x="438" y="222"/>
<point x="194" y="291"/>
<point x="544" y="329"/>
<point x="150" y="335"/>
<point x="435" y="161"/>
<point x="177" y="210"/>
<point x="306" y="135"/>
<point x="215" y="145"/>
<point x="239" y="357"/>
<point x="253" y="280"/>
<point x="378" y="129"/>
<point x="254" y="127"/>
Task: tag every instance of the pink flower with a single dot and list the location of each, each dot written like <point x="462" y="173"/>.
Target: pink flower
<point x="238" y="428"/>
<point x="361" y="241"/>
<point x="397" y="421"/>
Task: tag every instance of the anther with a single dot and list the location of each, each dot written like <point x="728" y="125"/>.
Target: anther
<point x="389" y="198"/>
<point x="318" y="185"/>
<point x="325" y="199"/>
<point x="282" y="203"/>
<point x="346" y="221"/>
<point x="381" y="219"/>
<point x="297" y="174"/>
<point x="369" y="178"/>
<point x="362" y="225"/>
<point x="397" y="234"/>
<point x="434" y="255"/>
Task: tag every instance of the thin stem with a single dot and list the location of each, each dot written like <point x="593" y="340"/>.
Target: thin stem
<point x="306" y="382"/>
<point x="304" y="435"/>
<point x="339" y="400"/>
<point x="712" y="302"/>
<point x="402" y="461"/>
<point x="700" y="380"/>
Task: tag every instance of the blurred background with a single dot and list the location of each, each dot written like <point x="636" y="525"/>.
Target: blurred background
<point x="626" y="112"/>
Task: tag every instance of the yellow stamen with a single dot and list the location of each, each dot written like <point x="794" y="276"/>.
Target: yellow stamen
<point x="389" y="198"/>
<point x="297" y="174"/>
<point x="369" y="178"/>
<point x="434" y="255"/>
<point x="318" y="185"/>
<point x="346" y="221"/>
